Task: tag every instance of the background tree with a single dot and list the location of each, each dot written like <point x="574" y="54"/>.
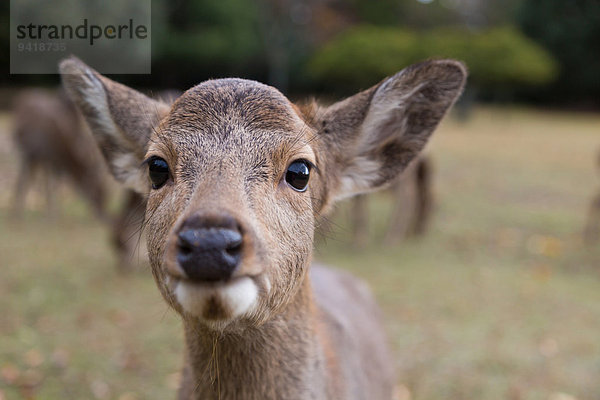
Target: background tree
<point x="570" y="30"/>
<point x="303" y="46"/>
<point x="498" y="58"/>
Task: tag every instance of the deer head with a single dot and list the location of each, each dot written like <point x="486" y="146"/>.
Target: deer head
<point x="236" y="175"/>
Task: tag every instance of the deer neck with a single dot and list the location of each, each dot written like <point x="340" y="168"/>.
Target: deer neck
<point x="281" y="359"/>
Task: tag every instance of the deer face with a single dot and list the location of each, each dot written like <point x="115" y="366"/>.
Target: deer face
<point x="236" y="175"/>
<point x="231" y="209"/>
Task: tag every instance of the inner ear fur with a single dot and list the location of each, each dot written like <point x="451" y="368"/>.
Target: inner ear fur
<point x="368" y="139"/>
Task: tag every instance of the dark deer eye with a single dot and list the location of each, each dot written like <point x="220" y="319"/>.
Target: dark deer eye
<point x="297" y="175"/>
<point x="158" y="169"/>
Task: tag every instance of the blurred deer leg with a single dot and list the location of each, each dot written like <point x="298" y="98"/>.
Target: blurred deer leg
<point x="49" y="182"/>
<point x="591" y="232"/>
<point x="95" y="192"/>
<point x="423" y="198"/>
<point x="22" y="184"/>
<point x="360" y="225"/>
<point x="398" y="220"/>
<point x="126" y="230"/>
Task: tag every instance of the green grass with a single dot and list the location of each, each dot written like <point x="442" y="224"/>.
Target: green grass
<point x="499" y="301"/>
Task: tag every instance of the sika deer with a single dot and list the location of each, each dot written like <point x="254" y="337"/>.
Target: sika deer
<point x="47" y="134"/>
<point x="237" y="177"/>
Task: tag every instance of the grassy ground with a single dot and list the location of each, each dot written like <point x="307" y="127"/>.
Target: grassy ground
<point x="499" y="301"/>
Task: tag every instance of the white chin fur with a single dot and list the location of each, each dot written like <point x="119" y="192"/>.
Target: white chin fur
<point x="239" y="295"/>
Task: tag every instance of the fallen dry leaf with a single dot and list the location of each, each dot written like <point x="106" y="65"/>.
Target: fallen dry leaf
<point x="401" y="392"/>
<point x="60" y="358"/>
<point x="548" y="246"/>
<point x="10" y="373"/>
<point x="548" y="347"/>
<point x="121" y="318"/>
<point x="173" y="380"/>
<point x="128" y="396"/>
<point x="542" y="272"/>
<point x="561" y="396"/>
<point x="100" y="389"/>
<point x="34" y="358"/>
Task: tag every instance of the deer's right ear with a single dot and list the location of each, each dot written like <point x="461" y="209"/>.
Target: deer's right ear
<point x="120" y="118"/>
<point x="370" y="138"/>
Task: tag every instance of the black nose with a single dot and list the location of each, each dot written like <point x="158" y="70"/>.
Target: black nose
<point x="209" y="251"/>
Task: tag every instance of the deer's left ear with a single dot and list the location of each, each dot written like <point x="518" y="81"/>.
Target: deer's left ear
<point x="370" y="138"/>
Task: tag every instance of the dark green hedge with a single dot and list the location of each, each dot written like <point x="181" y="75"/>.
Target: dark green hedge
<point x="364" y="54"/>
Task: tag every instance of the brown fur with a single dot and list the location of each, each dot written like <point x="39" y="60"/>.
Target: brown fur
<point x="311" y="332"/>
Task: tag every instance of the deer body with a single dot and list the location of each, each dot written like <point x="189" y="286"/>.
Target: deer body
<point x="237" y="178"/>
<point x="47" y="133"/>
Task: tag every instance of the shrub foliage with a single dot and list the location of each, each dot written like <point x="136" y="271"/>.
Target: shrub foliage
<point x="496" y="57"/>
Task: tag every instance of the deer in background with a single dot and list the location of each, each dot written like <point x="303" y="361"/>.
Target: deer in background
<point x="47" y="134"/>
<point x="50" y="139"/>
<point x="237" y="177"/>
<point x="411" y="210"/>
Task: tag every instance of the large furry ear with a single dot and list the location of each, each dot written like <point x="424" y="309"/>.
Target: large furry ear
<point x="121" y="119"/>
<point x="370" y="138"/>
